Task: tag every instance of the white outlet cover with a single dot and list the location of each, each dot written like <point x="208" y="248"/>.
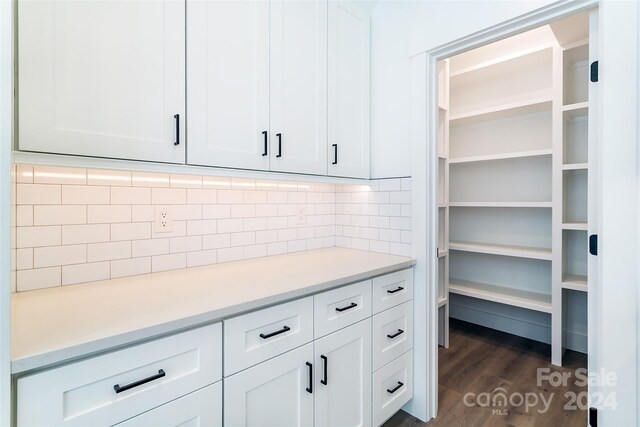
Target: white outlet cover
<point x="301" y="214"/>
<point x="163" y="222"/>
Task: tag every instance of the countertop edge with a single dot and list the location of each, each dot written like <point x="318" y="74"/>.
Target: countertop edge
<point x="64" y="355"/>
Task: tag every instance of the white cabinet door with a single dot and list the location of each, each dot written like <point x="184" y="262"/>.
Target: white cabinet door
<point x="298" y="94"/>
<point x="278" y="392"/>
<point x="202" y="408"/>
<point x="348" y="112"/>
<point x="228" y="83"/>
<point x="343" y="377"/>
<point x="102" y="78"/>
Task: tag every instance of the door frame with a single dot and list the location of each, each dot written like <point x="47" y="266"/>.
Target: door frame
<point x="615" y="351"/>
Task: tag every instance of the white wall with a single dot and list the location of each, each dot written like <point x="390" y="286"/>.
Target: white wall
<point x="400" y="28"/>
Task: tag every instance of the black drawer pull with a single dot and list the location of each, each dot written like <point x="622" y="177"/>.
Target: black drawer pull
<point x="389" y="291"/>
<point x="119" y="389"/>
<point x="349" y="307"/>
<point x="266" y="140"/>
<point x="396" y="388"/>
<point x="310" y="388"/>
<point x="273" y="334"/>
<point x="400" y="332"/>
<point x="177" y="117"/>
<point x="324" y="361"/>
<point x="279" y="136"/>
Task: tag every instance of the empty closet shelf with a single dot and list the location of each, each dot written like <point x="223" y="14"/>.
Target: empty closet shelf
<point x="575" y="282"/>
<point x="574" y="226"/>
<point x="500" y="204"/>
<point x="502" y="156"/>
<point x="504" y="250"/>
<point x="503" y="295"/>
<point x="518" y="108"/>
<point x="442" y="301"/>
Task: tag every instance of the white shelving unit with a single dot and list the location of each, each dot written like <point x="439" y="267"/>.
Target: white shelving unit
<point x="513" y="179"/>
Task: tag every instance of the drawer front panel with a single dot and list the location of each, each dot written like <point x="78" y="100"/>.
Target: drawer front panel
<point x="392" y="387"/>
<point x="202" y="408"/>
<point x="392" y="334"/>
<point x="392" y="289"/>
<point x="111" y="388"/>
<point x="341" y="307"/>
<point x="260" y="335"/>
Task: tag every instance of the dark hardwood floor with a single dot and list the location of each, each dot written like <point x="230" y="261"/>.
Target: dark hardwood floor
<point x="481" y="364"/>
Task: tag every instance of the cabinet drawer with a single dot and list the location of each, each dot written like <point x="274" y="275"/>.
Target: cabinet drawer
<point x="202" y="408"/>
<point x="392" y="289"/>
<point x="254" y="337"/>
<point x="111" y="388"/>
<point x="392" y="334"/>
<point x="392" y="387"/>
<point x="341" y="307"/>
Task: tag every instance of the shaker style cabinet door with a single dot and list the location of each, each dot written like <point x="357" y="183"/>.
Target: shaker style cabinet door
<point x="343" y="377"/>
<point x="228" y="83"/>
<point x="348" y="89"/>
<point x="102" y="78"/>
<point x="298" y="95"/>
<point x="278" y="392"/>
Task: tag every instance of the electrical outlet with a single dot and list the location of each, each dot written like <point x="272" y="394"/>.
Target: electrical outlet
<point x="301" y="215"/>
<point x="163" y="223"/>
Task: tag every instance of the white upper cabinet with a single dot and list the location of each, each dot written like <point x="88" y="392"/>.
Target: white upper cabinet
<point x="299" y="86"/>
<point x="348" y="89"/>
<point x="228" y="83"/>
<point x="102" y="78"/>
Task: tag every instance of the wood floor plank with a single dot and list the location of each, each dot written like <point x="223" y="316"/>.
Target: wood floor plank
<point x="481" y="360"/>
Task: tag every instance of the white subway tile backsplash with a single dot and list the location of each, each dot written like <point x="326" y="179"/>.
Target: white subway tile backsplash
<point x="59" y="175"/>
<point x="230" y="254"/>
<point x="185" y="244"/>
<point x="39" y="278"/>
<point x="59" y="214"/>
<point x="198" y="258"/>
<point x="77" y="225"/>
<point x="150" y="179"/>
<point x="33" y="237"/>
<point x="38" y="194"/>
<point x="168" y="196"/>
<point x="85" y="195"/>
<point x="82" y="273"/>
<point x="130" y="196"/>
<point x="24" y="216"/>
<point x="109" y="178"/>
<point x="108" y="251"/>
<point x="130" y="267"/>
<point x="130" y="231"/>
<point x="107" y="214"/>
<point x="168" y="262"/>
<point x="141" y="248"/>
<point x="24" y="259"/>
<point x="93" y="233"/>
<point x="59" y="255"/>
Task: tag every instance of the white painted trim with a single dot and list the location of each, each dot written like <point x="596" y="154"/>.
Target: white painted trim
<point x="6" y="134"/>
<point x="25" y="157"/>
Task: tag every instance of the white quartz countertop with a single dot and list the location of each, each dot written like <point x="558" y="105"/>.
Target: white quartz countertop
<point x="54" y="325"/>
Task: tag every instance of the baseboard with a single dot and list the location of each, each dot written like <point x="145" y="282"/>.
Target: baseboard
<point x="524" y="323"/>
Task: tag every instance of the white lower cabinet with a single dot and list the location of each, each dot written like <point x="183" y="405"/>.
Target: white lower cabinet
<point x="343" y="377"/>
<point x="392" y="387"/>
<point x="278" y="392"/>
<point x="202" y="408"/>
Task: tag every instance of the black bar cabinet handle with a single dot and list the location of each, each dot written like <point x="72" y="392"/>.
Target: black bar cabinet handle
<point x="400" y="332"/>
<point x="325" y="374"/>
<point x="389" y="291"/>
<point x="396" y="388"/>
<point x="310" y="388"/>
<point x="273" y="334"/>
<point x="279" y="135"/>
<point x="177" y="117"/>
<point x="119" y="389"/>
<point x="264" y="133"/>
<point x="349" y="307"/>
<point x="335" y="154"/>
